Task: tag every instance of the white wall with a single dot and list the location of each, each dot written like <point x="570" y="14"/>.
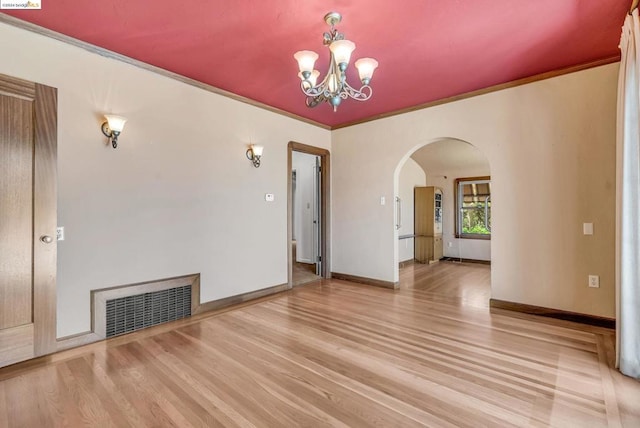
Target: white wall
<point x="551" y="149"/>
<point x="411" y="175"/>
<point x="475" y="249"/>
<point x="304" y="164"/>
<point x="176" y="197"/>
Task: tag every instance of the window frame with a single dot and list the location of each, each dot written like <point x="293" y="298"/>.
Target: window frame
<point x="456" y="211"/>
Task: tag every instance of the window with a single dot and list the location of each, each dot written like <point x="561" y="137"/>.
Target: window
<point x="473" y="207"/>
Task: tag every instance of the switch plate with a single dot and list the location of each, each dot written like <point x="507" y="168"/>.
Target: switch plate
<point x="587" y="228"/>
<point x="450" y="244"/>
<point x="269" y="197"/>
<point x="60" y="233"/>
<point x="594" y="281"/>
<point x="382" y="200"/>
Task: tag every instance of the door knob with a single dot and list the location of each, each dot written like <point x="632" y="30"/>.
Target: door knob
<point x="46" y="239"/>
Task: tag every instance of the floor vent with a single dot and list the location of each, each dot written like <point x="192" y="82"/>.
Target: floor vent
<point x="123" y="309"/>
<point x="131" y="313"/>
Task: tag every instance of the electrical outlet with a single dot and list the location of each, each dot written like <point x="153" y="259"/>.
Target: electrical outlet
<point x="450" y="244"/>
<point x="269" y="197"/>
<point x="594" y="281"/>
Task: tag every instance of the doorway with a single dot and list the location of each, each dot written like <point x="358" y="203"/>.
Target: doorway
<point x="436" y="183"/>
<point x="308" y="188"/>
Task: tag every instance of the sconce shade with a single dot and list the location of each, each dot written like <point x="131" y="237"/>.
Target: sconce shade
<point x="341" y="50"/>
<point x="116" y="123"/>
<point x="365" y="67"/>
<point x="306" y="60"/>
<point x="257" y="150"/>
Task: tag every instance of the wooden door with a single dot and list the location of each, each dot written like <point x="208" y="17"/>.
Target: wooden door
<point x="28" y="129"/>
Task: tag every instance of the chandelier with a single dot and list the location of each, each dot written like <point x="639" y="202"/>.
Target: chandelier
<point x="334" y="87"/>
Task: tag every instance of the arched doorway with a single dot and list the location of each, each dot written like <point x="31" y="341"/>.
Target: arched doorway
<point x="451" y="181"/>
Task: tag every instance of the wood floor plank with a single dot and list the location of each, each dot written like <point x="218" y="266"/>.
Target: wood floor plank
<point x="84" y="395"/>
<point x="121" y="404"/>
<point x="339" y="354"/>
<point x="18" y="399"/>
<point x="139" y="391"/>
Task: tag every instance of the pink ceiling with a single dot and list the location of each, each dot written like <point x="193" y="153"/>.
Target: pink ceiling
<point x="427" y="49"/>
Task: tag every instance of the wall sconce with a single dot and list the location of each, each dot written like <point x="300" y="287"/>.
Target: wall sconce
<point x="112" y="128"/>
<point x="254" y="153"/>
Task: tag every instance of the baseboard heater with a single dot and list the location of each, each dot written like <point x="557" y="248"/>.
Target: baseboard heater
<point x="125" y="309"/>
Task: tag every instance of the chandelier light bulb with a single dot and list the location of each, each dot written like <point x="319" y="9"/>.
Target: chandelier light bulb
<point x="341" y="50"/>
<point x="365" y="67"/>
<point x="333" y="83"/>
<point x="314" y="77"/>
<point x="306" y="61"/>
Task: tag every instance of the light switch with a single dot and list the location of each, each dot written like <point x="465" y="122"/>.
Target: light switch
<point x="382" y="200"/>
<point x="587" y="228"/>
<point x="60" y="233"/>
<point x="269" y="197"/>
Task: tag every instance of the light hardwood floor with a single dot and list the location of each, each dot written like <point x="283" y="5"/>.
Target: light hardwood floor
<point x="334" y="353"/>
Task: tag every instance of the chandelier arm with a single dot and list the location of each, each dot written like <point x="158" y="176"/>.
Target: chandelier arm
<point x="362" y="94"/>
<point x="315" y="101"/>
<point x="312" y="91"/>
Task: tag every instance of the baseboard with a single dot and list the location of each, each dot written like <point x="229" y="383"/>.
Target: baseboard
<point x="364" y="280"/>
<point x="554" y="313"/>
<point x="240" y="298"/>
<point x="406" y="263"/>
<point x="76" y="340"/>
<point x="457" y="259"/>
